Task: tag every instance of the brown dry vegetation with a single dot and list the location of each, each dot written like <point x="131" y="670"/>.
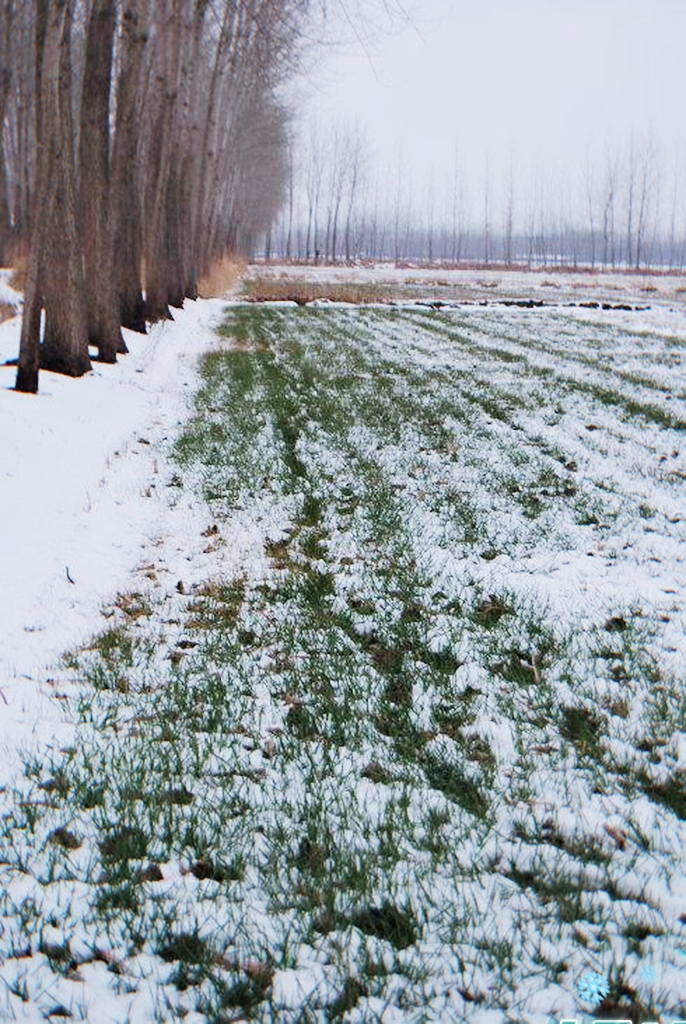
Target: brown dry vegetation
<point x="18" y="277"/>
<point x="265" y="289"/>
<point x="7" y="311"/>
<point x="222" y="277"/>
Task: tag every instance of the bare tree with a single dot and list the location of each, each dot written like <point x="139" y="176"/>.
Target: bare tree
<point x="355" y="153"/>
<point x="337" y="171"/>
<point x="6" y="35"/>
<point x="313" y="188"/>
<point x="590" y="190"/>
<point x="103" y="320"/>
<point x="486" y="184"/>
<point x="630" y="199"/>
<point x="609" y="197"/>
<point x="430" y="199"/>
<point x="508" y="228"/>
<point x="673" y="213"/>
<point x="29" y="352"/>
<point x="65" y="340"/>
<point x="648" y="192"/>
<point x="158" y="140"/>
<point x="56" y="273"/>
<point x="456" y="202"/>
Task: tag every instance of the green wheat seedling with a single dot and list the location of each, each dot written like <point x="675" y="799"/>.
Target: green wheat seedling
<point x="347" y="763"/>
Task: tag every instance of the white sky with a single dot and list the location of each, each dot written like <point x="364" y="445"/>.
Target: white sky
<point x="541" y="83"/>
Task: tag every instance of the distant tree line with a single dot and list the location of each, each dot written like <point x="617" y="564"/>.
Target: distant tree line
<point x="139" y="139"/>
<point x="625" y="210"/>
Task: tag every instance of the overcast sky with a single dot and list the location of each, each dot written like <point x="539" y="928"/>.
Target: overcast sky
<point x="533" y="83"/>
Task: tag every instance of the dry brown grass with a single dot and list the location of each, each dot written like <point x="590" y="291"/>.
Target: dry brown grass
<point x="7" y="311"/>
<point x="222" y="277"/>
<point x="265" y="289"/>
<point x="18" y="277"/>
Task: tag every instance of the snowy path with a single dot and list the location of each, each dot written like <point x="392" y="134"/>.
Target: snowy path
<point x="82" y="490"/>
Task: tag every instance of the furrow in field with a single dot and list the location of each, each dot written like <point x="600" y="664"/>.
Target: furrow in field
<point x="543" y="350"/>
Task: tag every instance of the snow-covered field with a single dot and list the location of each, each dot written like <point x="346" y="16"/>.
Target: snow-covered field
<point x="373" y="698"/>
<point x="491" y="284"/>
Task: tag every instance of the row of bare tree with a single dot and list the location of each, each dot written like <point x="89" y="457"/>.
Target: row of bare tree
<point x="624" y="209"/>
<point x="139" y="140"/>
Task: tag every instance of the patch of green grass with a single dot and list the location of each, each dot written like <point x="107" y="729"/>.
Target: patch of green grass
<point x="393" y="924"/>
<point x="488" y="612"/>
<point x="216" y="605"/>
<point x="671" y="794"/>
<point x="584" y="728"/>
<point x="124" y="842"/>
<point x="450" y="779"/>
<point x="115" y="647"/>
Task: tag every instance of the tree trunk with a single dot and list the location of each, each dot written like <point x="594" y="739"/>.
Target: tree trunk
<point x="65" y="343"/>
<point x="29" y="353"/>
<point x="190" y="140"/>
<point x="158" y="271"/>
<point x="6" y="233"/>
<point x="6" y="76"/>
<point x="173" y="246"/>
<point x="101" y="298"/>
<point x="126" y="219"/>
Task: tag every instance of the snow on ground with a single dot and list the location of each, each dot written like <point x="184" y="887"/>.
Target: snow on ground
<point x="86" y="510"/>
<point x="83" y="498"/>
